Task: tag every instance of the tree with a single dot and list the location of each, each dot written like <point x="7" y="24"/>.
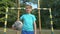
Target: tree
<point x="54" y="4"/>
<point x="3" y="5"/>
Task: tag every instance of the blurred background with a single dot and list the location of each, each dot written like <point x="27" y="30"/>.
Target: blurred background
<point x="45" y="19"/>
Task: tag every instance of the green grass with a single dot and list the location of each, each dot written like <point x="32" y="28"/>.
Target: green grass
<point x="44" y="31"/>
<point x="9" y="31"/>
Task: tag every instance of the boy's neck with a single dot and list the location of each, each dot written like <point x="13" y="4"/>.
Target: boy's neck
<point x="28" y="13"/>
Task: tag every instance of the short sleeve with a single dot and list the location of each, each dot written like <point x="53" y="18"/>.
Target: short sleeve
<point x="34" y="18"/>
<point x="21" y="18"/>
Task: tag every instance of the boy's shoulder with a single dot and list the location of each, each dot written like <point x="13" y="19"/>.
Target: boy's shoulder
<point x="32" y="14"/>
<point x="22" y="14"/>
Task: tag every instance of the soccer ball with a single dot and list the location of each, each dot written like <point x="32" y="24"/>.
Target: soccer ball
<point x="17" y="25"/>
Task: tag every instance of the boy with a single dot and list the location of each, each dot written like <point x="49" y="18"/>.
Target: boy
<point x="29" y="25"/>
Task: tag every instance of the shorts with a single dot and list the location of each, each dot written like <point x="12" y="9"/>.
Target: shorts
<point x="27" y="32"/>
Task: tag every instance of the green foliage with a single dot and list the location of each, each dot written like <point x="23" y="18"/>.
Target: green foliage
<point x="54" y="4"/>
<point x="3" y="5"/>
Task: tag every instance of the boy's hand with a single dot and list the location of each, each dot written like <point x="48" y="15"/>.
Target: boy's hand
<point x="13" y="27"/>
<point x="34" y="32"/>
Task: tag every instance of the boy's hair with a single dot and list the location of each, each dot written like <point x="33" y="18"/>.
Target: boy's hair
<point x="29" y="6"/>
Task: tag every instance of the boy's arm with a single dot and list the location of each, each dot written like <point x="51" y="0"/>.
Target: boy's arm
<point x="35" y="28"/>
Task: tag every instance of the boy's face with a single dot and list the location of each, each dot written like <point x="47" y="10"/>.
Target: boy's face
<point x="28" y="9"/>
